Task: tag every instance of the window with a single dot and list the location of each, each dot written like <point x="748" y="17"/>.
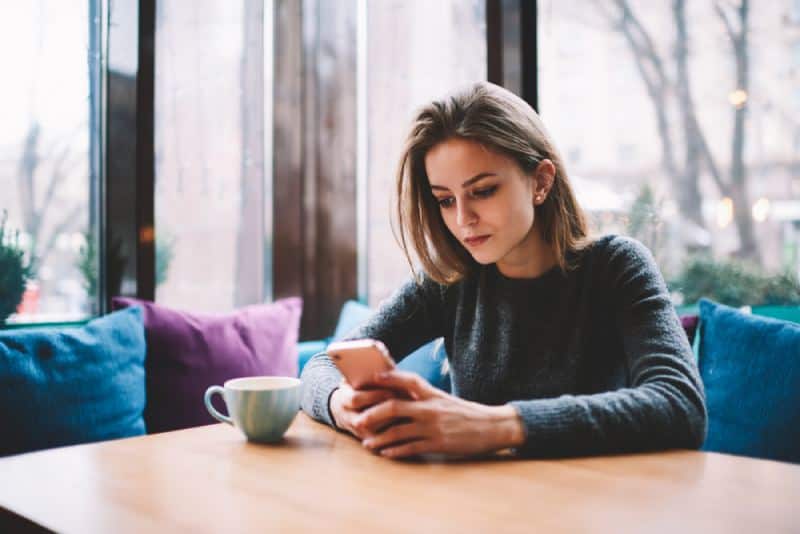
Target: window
<point x="212" y="194"/>
<point x="794" y="14"/>
<point x="796" y="55"/>
<point x="49" y="151"/>
<point x="672" y="195"/>
<point x="416" y="51"/>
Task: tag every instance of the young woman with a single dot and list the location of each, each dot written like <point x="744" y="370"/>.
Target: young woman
<point x="558" y="344"/>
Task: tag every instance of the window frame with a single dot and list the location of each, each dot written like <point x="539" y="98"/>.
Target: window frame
<point x="307" y="258"/>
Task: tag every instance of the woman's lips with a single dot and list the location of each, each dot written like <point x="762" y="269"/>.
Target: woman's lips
<point x="476" y="241"/>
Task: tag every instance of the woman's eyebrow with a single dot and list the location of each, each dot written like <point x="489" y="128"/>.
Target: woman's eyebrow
<point x="467" y="183"/>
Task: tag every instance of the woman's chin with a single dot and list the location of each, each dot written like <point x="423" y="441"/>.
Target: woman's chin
<point x="484" y="259"/>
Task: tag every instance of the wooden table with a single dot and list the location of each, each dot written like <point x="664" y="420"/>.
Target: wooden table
<point x="209" y="479"/>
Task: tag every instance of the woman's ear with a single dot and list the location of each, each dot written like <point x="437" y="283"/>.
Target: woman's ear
<point x="544" y="175"/>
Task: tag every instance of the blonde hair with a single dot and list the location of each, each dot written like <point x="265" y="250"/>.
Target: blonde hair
<point x="500" y="121"/>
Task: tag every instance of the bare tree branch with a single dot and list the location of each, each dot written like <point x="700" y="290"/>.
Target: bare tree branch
<point x="732" y="33"/>
<point x="711" y="164"/>
<point x="688" y="194"/>
<point x="65" y="139"/>
<point x="58" y="228"/>
<point x="651" y="68"/>
<point x="25" y="176"/>
<point x="57" y="177"/>
<point x="603" y="8"/>
<point x="646" y="46"/>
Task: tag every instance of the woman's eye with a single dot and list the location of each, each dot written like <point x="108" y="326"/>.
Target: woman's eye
<point x="484" y="193"/>
<point x="445" y="202"/>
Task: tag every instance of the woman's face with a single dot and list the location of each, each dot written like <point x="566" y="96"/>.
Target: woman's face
<point x="487" y="202"/>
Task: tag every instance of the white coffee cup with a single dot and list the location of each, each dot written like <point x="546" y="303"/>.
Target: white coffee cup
<point x="262" y="407"/>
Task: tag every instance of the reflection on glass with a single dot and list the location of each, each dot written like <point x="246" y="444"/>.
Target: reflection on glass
<point x="48" y="136"/>
<point x="677" y="126"/>
<point x="209" y="136"/>
<point x="417" y="51"/>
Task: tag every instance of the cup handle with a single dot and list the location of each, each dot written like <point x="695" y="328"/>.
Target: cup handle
<point x="214" y="413"/>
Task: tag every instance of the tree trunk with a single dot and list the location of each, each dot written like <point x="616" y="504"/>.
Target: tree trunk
<point x="26" y="175"/>
<point x="688" y="191"/>
<point x="748" y="245"/>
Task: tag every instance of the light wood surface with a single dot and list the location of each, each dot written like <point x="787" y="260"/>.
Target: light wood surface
<point x="209" y="479"/>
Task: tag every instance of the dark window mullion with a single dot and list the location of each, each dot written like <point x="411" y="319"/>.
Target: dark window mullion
<point x="145" y="153"/>
<point x="528" y="52"/>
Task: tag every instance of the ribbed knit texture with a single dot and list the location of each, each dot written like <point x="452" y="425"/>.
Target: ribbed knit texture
<point x="594" y="360"/>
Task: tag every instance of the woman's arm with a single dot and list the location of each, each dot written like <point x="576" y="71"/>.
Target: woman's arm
<point x="664" y="407"/>
<point x="412" y="316"/>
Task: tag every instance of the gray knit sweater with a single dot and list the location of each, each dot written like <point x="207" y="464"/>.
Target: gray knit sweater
<point x="594" y="360"/>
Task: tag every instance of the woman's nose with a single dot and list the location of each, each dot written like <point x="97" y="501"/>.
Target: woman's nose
<point x="465" y="216"/>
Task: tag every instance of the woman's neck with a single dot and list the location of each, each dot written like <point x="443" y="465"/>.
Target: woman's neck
<point x="530" y="259"/>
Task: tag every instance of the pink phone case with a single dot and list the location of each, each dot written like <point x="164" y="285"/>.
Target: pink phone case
<point x="359" y="360"/>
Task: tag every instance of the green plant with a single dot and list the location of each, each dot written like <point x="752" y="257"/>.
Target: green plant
<point x="87" y="262"/>
<point x="14" y="270"/>
<point x="735" y="283"/>
<point x="644" y="221"/>
<point x="165" y="251"/>
<point x="88" y="265"/>
<point x="643" y="217"/>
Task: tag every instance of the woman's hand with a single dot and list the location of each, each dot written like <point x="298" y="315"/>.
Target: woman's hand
<point x="433" y="422"/>
<point x="347" y="404"/>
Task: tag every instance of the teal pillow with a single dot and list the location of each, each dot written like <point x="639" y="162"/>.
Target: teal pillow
<point x="68" y="385"/>
<point x="353" y="314"/>
<point x="306" y="350"/>
<point x="750" y="367"/>
<point x="427" y="361"/>
<point x="785" y="313"/>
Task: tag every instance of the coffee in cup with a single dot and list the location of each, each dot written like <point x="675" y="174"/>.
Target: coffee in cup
<point x="262" y="407"/>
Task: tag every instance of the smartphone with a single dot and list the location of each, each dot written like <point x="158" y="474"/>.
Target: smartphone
<point x="359" y="360"/>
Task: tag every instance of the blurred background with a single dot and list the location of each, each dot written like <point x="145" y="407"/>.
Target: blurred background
<point x="272" y="130"/>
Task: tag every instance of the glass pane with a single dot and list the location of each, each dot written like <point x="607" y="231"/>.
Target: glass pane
<point x="417" y="51"/>
<point x="48" y="157"/>
<point x="211" y="221"/>
<point x="679" y="132"/>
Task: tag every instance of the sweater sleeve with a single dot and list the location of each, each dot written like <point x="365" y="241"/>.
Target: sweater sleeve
<point x="408" y="319"/>
<point x="664" y="404"/>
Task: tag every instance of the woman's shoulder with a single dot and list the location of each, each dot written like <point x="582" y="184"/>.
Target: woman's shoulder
<point x="419" y="284"/>
<point x="624" y="263"/>
<point x="616" y="248"/>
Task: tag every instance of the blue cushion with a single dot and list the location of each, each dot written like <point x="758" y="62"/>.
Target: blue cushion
<point x="307" y="349"/>
<point x="750" y="366"/>
<point x="68" y="385"/>
<point x="353" y="314"/>
<point x="785" y="313"/>
<point x="427" y="361"/>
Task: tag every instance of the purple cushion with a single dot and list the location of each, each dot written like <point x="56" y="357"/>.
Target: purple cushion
<point x="689" y="324"/>
<point x="188" y="352"/>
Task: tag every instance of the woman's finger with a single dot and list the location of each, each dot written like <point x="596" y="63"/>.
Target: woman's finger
<point x="366" y="398"/>
<point x="400" y="432"/>
<point x="411" y="383"/>
<point x="377" y="417"/>
<point x="412" y="448"/>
